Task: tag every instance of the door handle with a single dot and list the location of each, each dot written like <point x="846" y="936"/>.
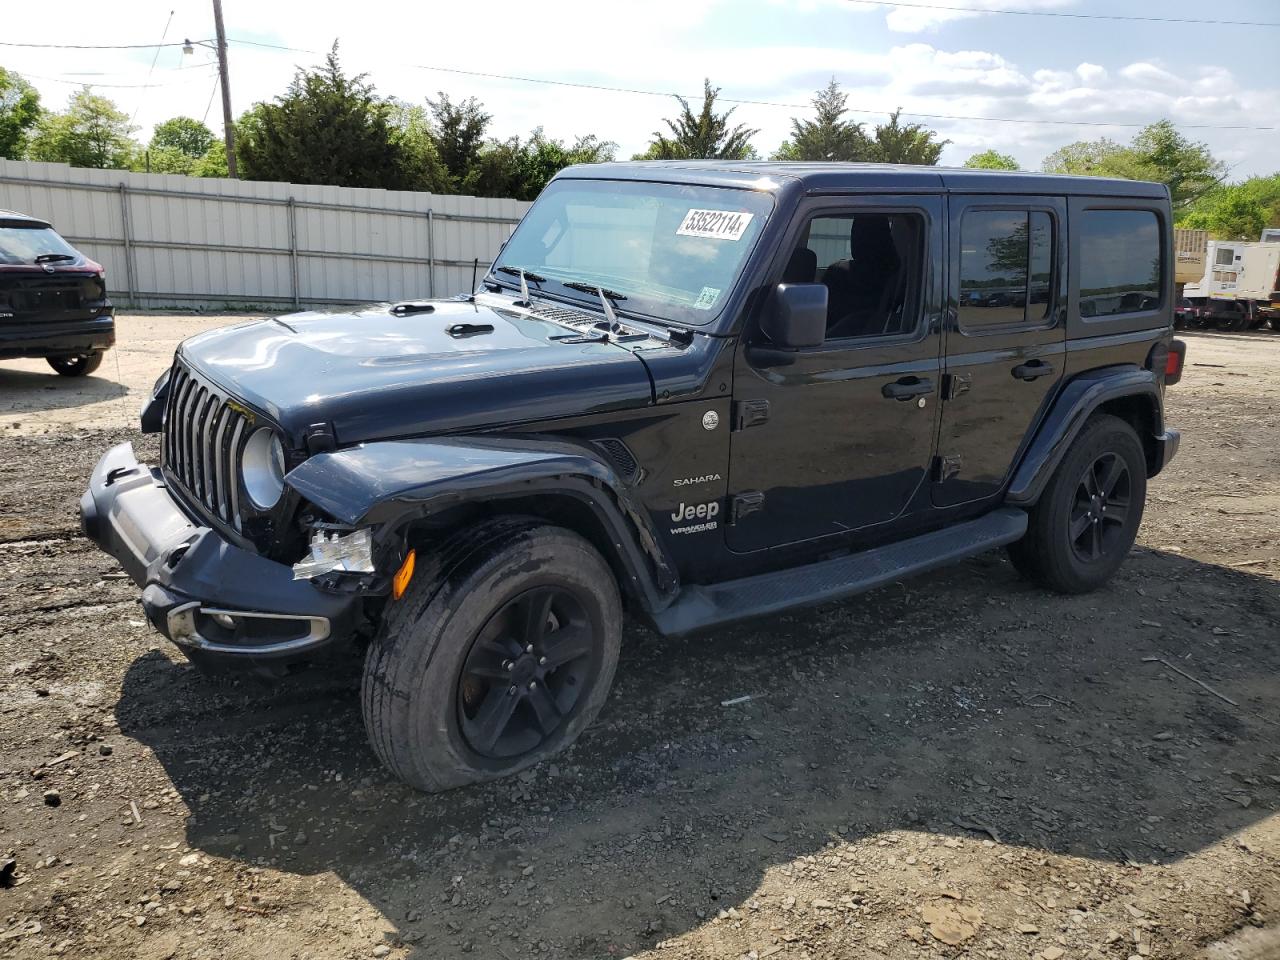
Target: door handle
<point x="906" y="388"/>
<point x="1029" y="371"/>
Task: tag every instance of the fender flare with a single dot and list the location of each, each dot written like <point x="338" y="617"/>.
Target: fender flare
<point x="390" y="483"/>
<point x="1078" y="401"/>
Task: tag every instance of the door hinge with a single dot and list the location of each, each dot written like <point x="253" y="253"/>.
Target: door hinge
<point x="750" y="413"/>
<point x="745" y="503"/>
<point x="955" y="384"/>
<point x="946" y="467"/>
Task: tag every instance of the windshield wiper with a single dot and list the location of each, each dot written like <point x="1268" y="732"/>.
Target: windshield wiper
<point x="52" y="258"/>
<point x="516" y="272"/>
<point x="592" y="288"/>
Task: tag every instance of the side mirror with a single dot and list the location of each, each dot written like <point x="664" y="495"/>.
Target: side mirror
<point x="797" y="316"/>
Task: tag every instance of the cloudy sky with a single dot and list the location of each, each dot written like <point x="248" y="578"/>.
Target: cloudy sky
<point x="928" y="60"/>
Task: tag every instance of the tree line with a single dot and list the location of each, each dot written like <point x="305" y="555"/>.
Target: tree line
<point x="332" y="128"/>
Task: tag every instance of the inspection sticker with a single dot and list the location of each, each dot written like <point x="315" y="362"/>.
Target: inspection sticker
<point x="707" y="298"/>
<point x="714" y="224"/>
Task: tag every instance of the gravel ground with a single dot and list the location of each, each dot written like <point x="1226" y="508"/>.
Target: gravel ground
<point x="959" y="765"/>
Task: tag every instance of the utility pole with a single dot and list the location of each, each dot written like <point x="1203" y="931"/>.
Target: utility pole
<point x="229" y="131"/>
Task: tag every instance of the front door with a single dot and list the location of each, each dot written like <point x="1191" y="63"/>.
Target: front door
<point x="1005" y="340"/>
<point x="838" y="438"/>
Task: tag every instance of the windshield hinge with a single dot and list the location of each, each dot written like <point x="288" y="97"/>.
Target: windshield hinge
<point x="744" y="504"/>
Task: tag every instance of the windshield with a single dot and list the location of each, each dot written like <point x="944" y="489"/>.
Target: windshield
<point x="23" y="244"/>
<point x="668" y="250"/>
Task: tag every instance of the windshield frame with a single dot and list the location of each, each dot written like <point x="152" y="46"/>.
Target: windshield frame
<point x="633" y="304"/>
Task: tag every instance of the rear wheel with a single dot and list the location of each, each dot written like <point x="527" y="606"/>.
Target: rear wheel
<point x="77" y="366"/>
<point x="1088" y="516"/>
<point x="495" y="659"/>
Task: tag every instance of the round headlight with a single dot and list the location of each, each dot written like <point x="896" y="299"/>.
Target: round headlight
<point x="262" y="468"/>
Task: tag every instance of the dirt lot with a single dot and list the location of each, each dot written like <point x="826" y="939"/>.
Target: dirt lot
<point x="955" y="766"/>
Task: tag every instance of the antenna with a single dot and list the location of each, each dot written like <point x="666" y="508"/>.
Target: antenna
<point x="524" y="292"/>
<point x="475" y="268"/>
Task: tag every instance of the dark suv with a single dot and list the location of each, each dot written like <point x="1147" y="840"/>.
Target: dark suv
<point x="53" y="299"/>
<point x="686" y="392"/>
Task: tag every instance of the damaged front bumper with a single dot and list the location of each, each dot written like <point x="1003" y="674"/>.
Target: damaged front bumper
<point x="215" y="600"/>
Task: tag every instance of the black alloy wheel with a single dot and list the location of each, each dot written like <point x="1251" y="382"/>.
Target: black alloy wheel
<point x="525" y="672"/>
<point x="1101" y="509"/>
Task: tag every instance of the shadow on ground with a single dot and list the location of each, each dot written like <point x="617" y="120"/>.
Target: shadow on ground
<point x="966" y="698"/>
<point x="27" y="390"/>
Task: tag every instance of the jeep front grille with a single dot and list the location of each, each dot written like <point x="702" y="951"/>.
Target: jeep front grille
<point x="204" y="437"/>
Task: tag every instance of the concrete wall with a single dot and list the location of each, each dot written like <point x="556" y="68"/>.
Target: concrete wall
<point x="173" y="241"/>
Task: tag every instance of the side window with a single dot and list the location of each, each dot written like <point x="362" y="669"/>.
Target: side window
<point x="1121" y="266"/>
<point x="1006" y="268"/>
<point x="871" y="265"/>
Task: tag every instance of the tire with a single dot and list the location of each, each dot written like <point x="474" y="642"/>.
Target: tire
<point x="439" y="674"/>
<point x="1049" y="554"/>
<point x="80" y="366"/>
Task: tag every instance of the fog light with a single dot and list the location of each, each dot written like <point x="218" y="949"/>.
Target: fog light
<point x="224" y="620"/>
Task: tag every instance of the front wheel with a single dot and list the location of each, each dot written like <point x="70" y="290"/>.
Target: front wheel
<point x="1086" y="520"/>
<point x="496" y="657"/>
<point x="78" y="366"/>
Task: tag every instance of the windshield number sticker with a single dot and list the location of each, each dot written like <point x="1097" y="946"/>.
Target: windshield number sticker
<point x="714" y="224"/>
<point x="707" y="298"/>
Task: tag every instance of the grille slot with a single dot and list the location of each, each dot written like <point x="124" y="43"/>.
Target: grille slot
<point x="202" y="442"/>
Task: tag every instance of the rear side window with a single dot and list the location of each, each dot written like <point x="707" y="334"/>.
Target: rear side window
<point x="1120" y="262"/>
<point x="1006" y="268"/>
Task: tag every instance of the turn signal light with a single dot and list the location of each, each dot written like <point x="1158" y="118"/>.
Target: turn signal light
<point x="1174" y="362"/>
<point x="400" y="582"/>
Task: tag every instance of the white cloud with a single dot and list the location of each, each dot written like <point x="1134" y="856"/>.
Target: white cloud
<point x="1091" y="73"/>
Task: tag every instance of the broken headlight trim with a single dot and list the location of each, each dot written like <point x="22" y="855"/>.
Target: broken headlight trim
<point x="336" y="552"/>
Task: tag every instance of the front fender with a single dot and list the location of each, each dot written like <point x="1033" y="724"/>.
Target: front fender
<point x="391" y="483"/>
<point x="1078" y="401"/>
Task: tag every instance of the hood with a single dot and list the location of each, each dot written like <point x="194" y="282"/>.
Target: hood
<point x="375" y="374"/>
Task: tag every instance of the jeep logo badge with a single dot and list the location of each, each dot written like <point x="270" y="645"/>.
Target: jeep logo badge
<point x="710" y="420"/>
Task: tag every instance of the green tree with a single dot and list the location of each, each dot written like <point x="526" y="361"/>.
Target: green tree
<point x="1158" y="153"/>
<point x="214" y="161"/>
<point x="19" y="113"/>
<point x="509" y="168"/>
<point x="1237" y="211"/>
<point x="328" y="128"/>
<point x="458" y="133"/>
<point x="913" y="143"/>
<point x="91" y="132"/>
<point x="422" y="164"/>
<point x="705" y="135"/>
<point x="828" y="136"/>
<point x="187" y="136"/>
<point x="991" y="160"/>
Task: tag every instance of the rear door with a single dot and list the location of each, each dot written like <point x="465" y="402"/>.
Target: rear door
<point x="1005" y="337"/>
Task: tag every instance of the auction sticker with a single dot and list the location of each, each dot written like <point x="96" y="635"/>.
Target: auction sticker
<point x="714" y="224"/>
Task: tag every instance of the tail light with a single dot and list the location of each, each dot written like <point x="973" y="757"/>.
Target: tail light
<point x="1168" y="359"/>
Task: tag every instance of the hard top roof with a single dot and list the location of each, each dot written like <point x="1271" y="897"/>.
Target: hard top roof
<point x="864" y="177"/>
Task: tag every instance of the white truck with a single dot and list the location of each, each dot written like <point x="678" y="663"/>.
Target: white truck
<point x="1240" y="289"/>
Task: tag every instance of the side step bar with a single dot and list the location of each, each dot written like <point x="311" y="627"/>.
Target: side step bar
<point x="705" y="606"/>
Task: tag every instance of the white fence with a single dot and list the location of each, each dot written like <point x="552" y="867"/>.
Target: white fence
<point x="174" y="241"/>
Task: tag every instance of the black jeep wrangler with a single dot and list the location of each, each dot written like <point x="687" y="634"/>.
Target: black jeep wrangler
<point x="691" y="392"/>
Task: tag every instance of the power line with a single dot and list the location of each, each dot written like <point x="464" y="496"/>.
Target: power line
<point x="774" y="103"/>
<point x="88" y="46"/>
<point x="114" y="86"/>
<point x="152" y="69"/>
<point x="1072" y="16"/>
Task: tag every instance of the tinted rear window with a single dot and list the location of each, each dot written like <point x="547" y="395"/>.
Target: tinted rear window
<point x="1120" y="262"/>
<point x="32" y="244"/>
